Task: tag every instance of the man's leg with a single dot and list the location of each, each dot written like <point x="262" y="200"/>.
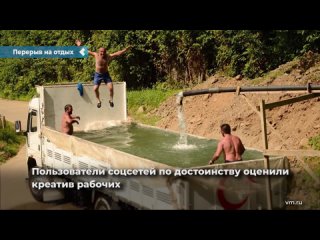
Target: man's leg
<point x="110" y="87"/>
<point x="97" y="81"/>
<point x="96" y="91"/>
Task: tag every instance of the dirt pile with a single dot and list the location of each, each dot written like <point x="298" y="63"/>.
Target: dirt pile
<point x="289" y="126"/>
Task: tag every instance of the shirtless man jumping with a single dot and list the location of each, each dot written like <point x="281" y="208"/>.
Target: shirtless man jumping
<point x="230" y="145"/>
<point x="102" y="61"/>
<point x="68" y="120"/>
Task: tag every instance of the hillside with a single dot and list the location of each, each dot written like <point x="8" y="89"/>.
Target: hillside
<point x="292" y="124"/>
<point x="289" y="126"/>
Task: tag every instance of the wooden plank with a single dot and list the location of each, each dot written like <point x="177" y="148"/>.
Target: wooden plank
<point x="297" y="153"/>
<point x="291" y="100"/>
<point x="304" y="165"/>
<point x="266" y="158"/>
<point x="253" y="107"/>
<point x="263" y="124"/>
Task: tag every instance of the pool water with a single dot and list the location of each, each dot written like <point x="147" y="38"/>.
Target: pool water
<point x="159" y="145"/>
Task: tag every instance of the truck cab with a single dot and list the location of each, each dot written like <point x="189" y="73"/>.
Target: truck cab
<point x="34" y="134"/>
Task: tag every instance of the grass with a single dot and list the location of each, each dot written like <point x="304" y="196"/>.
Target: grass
<point x="309" y="185"/>
<point x="26" y="97"/>
<point x="314" y="142"/>
<point x="272" y="75"/>
<point x="144" y="118"/>
<point x="149" y="99"/>
<point x="10" y="142"/>
<point x="304" y="180"/>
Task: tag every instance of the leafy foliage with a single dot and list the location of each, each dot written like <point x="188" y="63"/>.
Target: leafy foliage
<point x="10" y="142"/>
<point x="179" y="58"/>
<point x="314" y="142"/>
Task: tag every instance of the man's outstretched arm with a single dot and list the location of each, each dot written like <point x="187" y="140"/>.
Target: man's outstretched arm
<point x="69" y="119"/>
<point x="75" y="117"/>
<point x="217" y="153"/>
<point x="79" y="43"/>
<point x="116" y="54"/>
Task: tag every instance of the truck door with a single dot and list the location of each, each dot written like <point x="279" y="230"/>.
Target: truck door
<point x="33" y="139"/>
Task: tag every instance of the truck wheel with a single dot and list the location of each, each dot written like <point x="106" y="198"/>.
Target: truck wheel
<point x="36" y="193"/>
<point x="102" y="204"/>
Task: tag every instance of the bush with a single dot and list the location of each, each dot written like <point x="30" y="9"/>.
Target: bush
<point x="314" y="142"/>
<point x="10" y="142"/>
<point x="11" y="150"/>
<point x="8" y="135"/>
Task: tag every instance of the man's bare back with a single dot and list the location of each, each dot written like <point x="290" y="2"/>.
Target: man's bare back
<point x="232" y="148"/>
<point x="230" y="145"/>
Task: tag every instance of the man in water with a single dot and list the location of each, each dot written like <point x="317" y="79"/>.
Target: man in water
<point x="68" y="120"/>
<point x="102" y="59"/>
<point x="230" y="145"/>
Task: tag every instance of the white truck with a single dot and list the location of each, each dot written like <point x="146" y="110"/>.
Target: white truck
<point x="49" y="149"/>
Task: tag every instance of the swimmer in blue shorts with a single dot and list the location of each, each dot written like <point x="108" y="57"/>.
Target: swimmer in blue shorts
<point x="101" y="74"/>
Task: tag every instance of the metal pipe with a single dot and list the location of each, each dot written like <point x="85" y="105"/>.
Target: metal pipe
<point x="308" y="88"/>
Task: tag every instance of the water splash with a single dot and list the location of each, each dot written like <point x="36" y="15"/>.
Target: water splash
<point x="179" y="146"/>
<point x="99" y="125"/>
<point x="183" y="140"/>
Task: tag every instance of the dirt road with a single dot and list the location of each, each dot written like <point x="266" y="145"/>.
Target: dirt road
<point x="14" y="192"/>
<point x="14" y="110"/>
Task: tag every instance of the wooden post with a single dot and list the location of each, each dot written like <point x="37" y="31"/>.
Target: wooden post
<point x="2" y="122"/>
<point x="266" y="158"/>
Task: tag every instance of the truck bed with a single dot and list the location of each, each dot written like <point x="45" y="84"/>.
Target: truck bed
<point x="62" y="151"/>
<point x="159" y="145"/>
<point x="139" y="148"/>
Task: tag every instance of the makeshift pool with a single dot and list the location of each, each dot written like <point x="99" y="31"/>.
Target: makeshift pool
<point x="159" y="145"/>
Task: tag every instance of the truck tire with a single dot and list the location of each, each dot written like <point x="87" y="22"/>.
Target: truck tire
<point x="36" y="193"/>
<point x="45" y="195"/>
<point x="102" y="203"/>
